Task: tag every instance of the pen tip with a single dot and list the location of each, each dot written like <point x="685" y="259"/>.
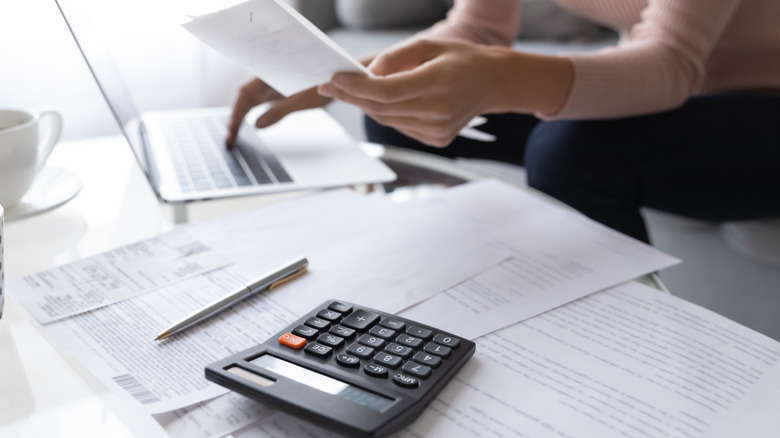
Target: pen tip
<point x="161" y="336"/>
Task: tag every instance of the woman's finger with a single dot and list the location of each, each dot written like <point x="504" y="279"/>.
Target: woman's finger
<point x="405" y="57"/>
<point x="251" y="94"/>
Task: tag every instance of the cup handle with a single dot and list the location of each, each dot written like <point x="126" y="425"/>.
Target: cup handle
<point x="52" y="135"/>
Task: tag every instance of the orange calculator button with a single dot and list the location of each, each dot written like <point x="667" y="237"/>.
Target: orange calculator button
<point x="292" y="341"/>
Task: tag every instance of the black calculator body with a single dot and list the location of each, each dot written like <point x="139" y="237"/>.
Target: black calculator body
<point x="358" y="371"/>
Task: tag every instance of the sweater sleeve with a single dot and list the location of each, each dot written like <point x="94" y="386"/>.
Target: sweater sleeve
<point x="657" y="66"/>
<point x="492" y="22"/>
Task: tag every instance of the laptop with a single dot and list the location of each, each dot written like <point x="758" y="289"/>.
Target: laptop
<point x="182" y="151"/>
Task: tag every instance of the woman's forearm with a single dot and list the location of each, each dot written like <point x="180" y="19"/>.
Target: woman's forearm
<point x="527" y="83"/>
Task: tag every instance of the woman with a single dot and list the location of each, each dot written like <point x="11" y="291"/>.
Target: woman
<point x="683" y="115"/>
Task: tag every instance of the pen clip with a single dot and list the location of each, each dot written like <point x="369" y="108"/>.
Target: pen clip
<point x="290" y="277"/>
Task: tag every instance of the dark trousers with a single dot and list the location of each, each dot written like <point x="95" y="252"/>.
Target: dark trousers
<point x="716" y="158"/>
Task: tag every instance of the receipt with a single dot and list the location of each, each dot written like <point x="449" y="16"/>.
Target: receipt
<point x="116" y="275"/>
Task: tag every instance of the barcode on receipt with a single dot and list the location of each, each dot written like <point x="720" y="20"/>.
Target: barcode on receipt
<point x="135" y="388"/>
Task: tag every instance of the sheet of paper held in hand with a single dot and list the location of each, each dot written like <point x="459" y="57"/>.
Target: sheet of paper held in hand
<point x="276" y="43"/>
<point x="116" y="275"/>
<point x="280" y="46"/>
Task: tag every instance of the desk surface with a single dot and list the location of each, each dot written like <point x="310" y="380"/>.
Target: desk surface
<point x="44" y="392"/>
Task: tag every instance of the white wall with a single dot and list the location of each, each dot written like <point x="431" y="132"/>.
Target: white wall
<point x="40" y="64"/>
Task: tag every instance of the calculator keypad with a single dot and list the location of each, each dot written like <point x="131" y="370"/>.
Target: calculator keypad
<point x="358" y="370"/>
<point x="385" y="347"/>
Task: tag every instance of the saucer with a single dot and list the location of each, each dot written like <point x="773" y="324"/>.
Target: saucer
<point x="52" y="188"/>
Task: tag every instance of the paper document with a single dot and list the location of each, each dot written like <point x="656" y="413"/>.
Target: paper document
<point x="628" y="362"/>
<point x="215" y="418"/>
<point x="116" y="275"/>
<point x="116" y="343"/>
<point x="357" y="252"/>
<point x="558" y="256"/>
<point x="274" y="42"/>
<point x="361" y="249"/>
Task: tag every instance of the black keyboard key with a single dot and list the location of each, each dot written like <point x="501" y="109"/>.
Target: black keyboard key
<point x="388" y="360"/>
<point x="361" y="351"/>
<point x="372" y="341"/>
<point x="344" y="332"/>
<point x="393" y="324"/>
<point x="305" y="332"/>
<point x="375" y="370"/>
<point x="341" y="308"/>
<point x="382" y="332"/>
<point x="330" y="315"/>
<point x="417" y="370"/>
<point x="347" y="360"/>
<point x="448" y="341"/>
<point x="438" y="350"/>
<point x="360" y="319"/>
<point x="318" y="323"/>
<point x="427" y="359"/>
<point x="399" y="350"/>
<point x="331" y="340"/>
<point x="405" y="381"/>
<point x="409" y="341"/>
<point x="318" y="350"/>
<point x="419" y="332"/>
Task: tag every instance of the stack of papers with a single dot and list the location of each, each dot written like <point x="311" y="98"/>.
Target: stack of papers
<point x="484" y="260"/>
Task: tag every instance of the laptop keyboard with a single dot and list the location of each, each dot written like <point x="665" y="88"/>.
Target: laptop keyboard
<point x="204" y="163"/>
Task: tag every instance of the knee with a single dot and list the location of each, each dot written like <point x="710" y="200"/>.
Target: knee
<point x="555" y="155"/>
<point x="567" y="159"/>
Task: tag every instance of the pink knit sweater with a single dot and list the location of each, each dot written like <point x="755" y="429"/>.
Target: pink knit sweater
<point x="669" y="50"/>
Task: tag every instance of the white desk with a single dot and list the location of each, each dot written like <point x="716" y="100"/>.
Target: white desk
<point x="43" y="392"/>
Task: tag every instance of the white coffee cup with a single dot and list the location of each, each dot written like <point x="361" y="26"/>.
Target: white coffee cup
<point x="23" y="150"/>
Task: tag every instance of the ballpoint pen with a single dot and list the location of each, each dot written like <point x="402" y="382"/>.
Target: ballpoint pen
<point x="277" y="277"/>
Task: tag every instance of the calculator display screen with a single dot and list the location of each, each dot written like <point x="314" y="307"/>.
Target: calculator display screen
<point x="323" y="383"/>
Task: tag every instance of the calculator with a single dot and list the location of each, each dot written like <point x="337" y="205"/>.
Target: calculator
<point x="358" y="371"/>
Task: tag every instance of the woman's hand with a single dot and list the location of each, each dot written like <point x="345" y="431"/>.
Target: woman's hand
<point x="430" y="89"/>
<point x="256" y="92"/>
<point x="427" y="89"/>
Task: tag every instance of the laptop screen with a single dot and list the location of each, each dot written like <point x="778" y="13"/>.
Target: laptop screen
<point x="94" y="48"/>
<point x="143" y="60"/>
